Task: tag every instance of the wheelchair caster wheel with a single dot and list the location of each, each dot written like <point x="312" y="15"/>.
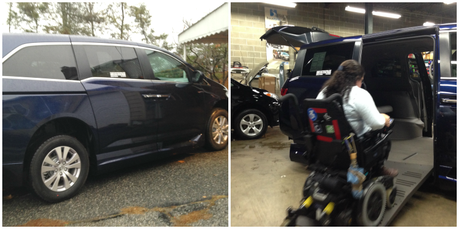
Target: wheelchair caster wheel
<point x="390" y="197"/>
<point x="344" y="218"/>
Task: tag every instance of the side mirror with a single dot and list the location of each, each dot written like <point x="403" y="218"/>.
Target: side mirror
<point x="197" y="77"/>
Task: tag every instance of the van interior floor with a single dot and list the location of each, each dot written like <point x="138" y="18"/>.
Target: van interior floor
<point x="414" y="160"/>
<point x="412" y="151"/>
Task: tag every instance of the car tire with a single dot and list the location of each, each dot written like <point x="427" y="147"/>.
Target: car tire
<point x="250" y="124"/>
<point x="217" y="130"/>
<point x="59" y="168"/>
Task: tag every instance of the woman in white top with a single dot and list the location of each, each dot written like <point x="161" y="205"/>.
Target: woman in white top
<point x="358" y="105"/>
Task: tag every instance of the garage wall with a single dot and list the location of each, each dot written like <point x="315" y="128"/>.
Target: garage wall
<point x="248" y="24"/>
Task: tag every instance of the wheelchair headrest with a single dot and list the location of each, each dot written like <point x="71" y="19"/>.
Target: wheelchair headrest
<point x="326" y="118"/>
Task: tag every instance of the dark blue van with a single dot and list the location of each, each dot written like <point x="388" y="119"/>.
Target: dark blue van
<point x="411" y="72"/>
<point x="74" y="103"/>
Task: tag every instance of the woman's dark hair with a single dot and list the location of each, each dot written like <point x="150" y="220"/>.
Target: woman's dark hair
<point x="344" y="78"/>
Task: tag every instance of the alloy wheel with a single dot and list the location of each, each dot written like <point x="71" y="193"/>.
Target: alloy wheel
<point x="220" y="130"/>
<point x="251" y="124"/>
<point x="60" y="168"/>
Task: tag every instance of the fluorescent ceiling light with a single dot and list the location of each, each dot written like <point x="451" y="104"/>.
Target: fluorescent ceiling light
<point x="427" y="23"/>
<point x="286" y="4"/>
<point x="376" y="13"/>
<point x="354" y="9"/>
<point x="449" y="2"/>
<point x="384" y="14"/>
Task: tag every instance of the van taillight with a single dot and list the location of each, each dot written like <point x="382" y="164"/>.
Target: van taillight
<point x="284" y="91"/>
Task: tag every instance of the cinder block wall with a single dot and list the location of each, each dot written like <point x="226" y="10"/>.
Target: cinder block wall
<point x="248" y="24"/>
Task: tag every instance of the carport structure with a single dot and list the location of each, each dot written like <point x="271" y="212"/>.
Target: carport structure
<point x="213" y="28"/>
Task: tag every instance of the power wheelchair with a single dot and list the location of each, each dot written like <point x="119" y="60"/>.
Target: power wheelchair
<point x="320" y="133"/>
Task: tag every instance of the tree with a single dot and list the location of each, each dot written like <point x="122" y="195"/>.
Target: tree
<point x="142" y="18"/>
<point x="93" y="17"/>
<point x="30" y="14"/>
<point x="12" y="20"/>
<point x="211" y="59"/>
<point x="67" y="18"/>
<point x="116" y="16"/>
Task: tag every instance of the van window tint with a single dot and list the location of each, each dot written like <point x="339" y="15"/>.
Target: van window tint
<point x="166" y="67"/>
<point x="453" y="45"/>
<point x="324" y="60"/>
<point x="111" y="61"/>
<point x="388" y="68"/>
<point x="47" y="61"/>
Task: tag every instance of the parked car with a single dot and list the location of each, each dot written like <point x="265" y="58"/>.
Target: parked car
<point x="252" y="110"/>
<point x="284" y="56"/>
<point x="424" y="107"/>
<point x="72" y="104"/>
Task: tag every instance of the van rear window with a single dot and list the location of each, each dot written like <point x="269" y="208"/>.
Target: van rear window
<point x="45" y="61"/>
<point x="323" y="61"/>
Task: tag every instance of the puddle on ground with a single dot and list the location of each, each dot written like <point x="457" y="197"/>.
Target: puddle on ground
<point x="195" y="216"/>
<point x="134" y="210"/>
<point x="182" y="220"/>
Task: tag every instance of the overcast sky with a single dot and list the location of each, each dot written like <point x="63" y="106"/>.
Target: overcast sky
<point x="166" y="16"/>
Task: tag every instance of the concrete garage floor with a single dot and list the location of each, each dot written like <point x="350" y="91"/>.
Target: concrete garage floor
<point x="264" y="182"/>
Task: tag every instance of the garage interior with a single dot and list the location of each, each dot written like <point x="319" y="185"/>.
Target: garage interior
<point x="264" y="182"/>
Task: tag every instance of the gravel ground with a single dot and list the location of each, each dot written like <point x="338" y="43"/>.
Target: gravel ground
<point x="183" y="190"/>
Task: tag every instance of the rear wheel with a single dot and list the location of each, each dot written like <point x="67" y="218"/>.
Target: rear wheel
<point x="59" y="168"/>
<point x="373" y="205"/>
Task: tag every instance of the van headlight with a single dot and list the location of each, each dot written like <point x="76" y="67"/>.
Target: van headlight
<point x="272" y="95"/>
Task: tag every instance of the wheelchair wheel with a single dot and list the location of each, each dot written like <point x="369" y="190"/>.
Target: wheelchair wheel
<point x="303" y="221"/>
<point x="373" y="205"/>
<point x="288" y="222"/>
<point x="390" y="197"/>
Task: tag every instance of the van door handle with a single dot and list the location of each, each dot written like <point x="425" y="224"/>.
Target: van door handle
<point x="449" y="100"/>
<point x="157" y="96"/>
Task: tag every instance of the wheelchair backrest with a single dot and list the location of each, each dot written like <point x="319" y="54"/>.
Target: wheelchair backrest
<point x="328" y="123"/>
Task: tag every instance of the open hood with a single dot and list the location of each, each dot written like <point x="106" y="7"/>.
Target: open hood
<point x="295" y="36"/>
<point x="256" y="72"/>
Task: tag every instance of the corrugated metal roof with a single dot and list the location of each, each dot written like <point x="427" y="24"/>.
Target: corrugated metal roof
<point x="213" y="28"/>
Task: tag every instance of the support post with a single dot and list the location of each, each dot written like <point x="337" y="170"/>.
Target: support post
<point x="368" y="18"/>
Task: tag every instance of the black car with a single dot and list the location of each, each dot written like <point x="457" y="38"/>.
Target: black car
<point x="75" y="103"/>
<point x="252" y="110"/>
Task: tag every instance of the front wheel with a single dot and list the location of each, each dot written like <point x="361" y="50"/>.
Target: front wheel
<point x="59" y="168"/>
<point x="250" y="124"/>
<point x="217" y="130"/>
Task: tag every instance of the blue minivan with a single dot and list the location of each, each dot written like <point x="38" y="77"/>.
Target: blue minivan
<point x="72" y="104"/>
<point x="411" y="74"/>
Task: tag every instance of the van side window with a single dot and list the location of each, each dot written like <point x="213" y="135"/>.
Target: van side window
<point x="453" y="45"/>
<point x="46" y="61"/>
<point x="111" y="61"/>
<point x="386" y="68"/>
<point x="166" y="67"/>
<point x="322" y="61"/>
